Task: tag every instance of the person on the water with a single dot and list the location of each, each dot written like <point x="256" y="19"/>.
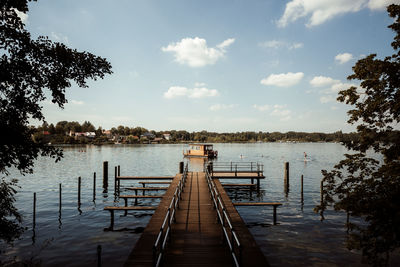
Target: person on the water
<point x="305" y="156"/>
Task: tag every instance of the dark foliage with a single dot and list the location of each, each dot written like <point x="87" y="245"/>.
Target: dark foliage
<point x="362" y="186"/>
<point x="27" y="68"/>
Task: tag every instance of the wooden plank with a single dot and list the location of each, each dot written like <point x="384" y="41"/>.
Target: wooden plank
<point x="144" y="178"/>
<point x="237" y="185"/>
<point x="147" y="188"/>
<point x="154" y="182"/>
<point x="139" y="196"/>
<point x="130" y="208"/>
<point x="257" y="204"/>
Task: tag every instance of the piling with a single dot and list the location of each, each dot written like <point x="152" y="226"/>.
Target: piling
<point x="286" y="179"/>
<point x="115" y="180"/>
<point x="302" y="188"/>
<point x="94" y="186"/>
<point x="119" y="170"/>
<point x="34" y="210"/>
<point x="181" y="164"/>
<point x="79" y="190"/>
<point x="60" y="192"/>
<point x="99" y="256"/>
<point x="105" y="174"/>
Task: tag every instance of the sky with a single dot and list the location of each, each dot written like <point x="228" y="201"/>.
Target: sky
<point x="222" y="66"/>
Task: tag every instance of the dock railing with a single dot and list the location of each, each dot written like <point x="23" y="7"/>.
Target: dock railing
<point x="236" y="167"/>
<point x="165" y="229"/>
<point x="223" y="218"/>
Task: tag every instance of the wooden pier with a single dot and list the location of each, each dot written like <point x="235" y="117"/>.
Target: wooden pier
<point x="196" y="224"/>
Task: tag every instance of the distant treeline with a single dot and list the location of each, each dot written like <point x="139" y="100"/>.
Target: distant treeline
<point x="63" y="133"/>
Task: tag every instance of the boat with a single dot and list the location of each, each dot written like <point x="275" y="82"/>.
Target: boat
<point x="201" y="151"/>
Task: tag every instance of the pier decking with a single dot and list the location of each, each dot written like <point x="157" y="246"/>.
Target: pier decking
<point x="199" y="227"/>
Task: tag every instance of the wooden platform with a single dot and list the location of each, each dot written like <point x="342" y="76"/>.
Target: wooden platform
<point x="196" y="236"/>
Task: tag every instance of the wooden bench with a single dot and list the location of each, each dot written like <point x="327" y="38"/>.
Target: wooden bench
<point x="117" y="179"/>
<point x="111" y="209"/>
<point x="144" y="183"/>
<point x="274" y="204"/>
<point x="146" y="189"/>
<point x="125" y="198"/>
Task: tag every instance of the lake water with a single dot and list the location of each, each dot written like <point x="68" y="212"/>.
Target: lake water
<point x="299" y="239"/>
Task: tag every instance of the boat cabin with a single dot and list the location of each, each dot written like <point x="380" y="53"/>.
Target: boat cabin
<point x="200" y="150"/>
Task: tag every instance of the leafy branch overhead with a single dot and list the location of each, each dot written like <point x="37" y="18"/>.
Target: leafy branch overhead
<point x="29" y="71"/>
<point x="366" y="187"/>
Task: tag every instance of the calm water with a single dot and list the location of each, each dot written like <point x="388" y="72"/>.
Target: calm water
<point x="71" y="239"/>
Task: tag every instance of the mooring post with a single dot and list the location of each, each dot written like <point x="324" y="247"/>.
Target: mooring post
<point x="99" y="256"/>
<point x="286" y="176"/>
<point x="119" y="170"/>
<point x="181" y="166"/>
<point x="60" y="198"/>
<point x="94" y="186"/>
<point x="34" y="210"/>
<point x="275" y="214"/>
<point x="79" y="191"/>
<point x="105" y="174"/>
<point x="302" y="188"/>
<point x="115" y="180"/>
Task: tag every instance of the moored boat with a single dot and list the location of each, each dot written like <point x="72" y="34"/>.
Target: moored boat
<point x="200" y="151"/>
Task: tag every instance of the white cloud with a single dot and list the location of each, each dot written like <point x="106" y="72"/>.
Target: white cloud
<point x="344" y="57"/>
<point x="77" y="102"/>
<point x="194" y="52"/>
<point x="23" y="16"/>
<point x="283" y="79"/>
<point x="59" y="37"/>
<point x="217" y="107"/>
<point x="177" y="91"/>
<point x="281" y="112"/>
<point x="320" y="11"/>
<point x="262" y="108"/>
<point x="334" y="108"/>
<point x="275" y="44"/>
<point x="381" y="4"/>
<point x="320" y="81"/>
<point x="341" y="86"/>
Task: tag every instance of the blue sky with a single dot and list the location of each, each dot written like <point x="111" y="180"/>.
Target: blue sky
<point x="221" y="66"/>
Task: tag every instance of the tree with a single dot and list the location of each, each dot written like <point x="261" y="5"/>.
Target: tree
<point x="362" y="186"/>
<point x="27" y="68"/>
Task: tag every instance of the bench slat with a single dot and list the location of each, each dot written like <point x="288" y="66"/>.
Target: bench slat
<point x="136" y="196"/>
<point x="144" y="177"/>
<point x="130" y="208"/>
<point x="227" y="185"/>
<point x="154" y="182"/>
<point x="146" y="188"/>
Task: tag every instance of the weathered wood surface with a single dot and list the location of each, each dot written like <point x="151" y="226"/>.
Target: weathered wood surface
<point x="144" y="178"/>
<point x="196" y="236"/>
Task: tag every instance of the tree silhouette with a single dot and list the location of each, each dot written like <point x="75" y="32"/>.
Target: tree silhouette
<point x="360" y="185"/>
<point x="29" y="68"/>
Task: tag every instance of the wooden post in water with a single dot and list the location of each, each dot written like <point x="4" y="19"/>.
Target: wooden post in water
<point x="105" y="174"/>
<point x="116" y="182"/>
<point x="94" y="186"/>
<point x="181" y="166"/>
<point x="286" y="177"/>
<point x="99" y="256"/>
<point x="79" y="191"/>
<point x="119" y="170"/>
<point x="60" y="199"/>
<point x="34" y="210"/>
<point x="302" y="188"/>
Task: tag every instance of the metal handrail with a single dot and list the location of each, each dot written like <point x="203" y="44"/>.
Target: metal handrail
<point x="237" y="167"/>
<point x="165" y="229"/>
<point x="223" y="218"/>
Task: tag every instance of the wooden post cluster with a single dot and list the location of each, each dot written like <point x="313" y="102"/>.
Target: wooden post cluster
<point x="286" y="177"/>
<point x="105" y="174"/>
